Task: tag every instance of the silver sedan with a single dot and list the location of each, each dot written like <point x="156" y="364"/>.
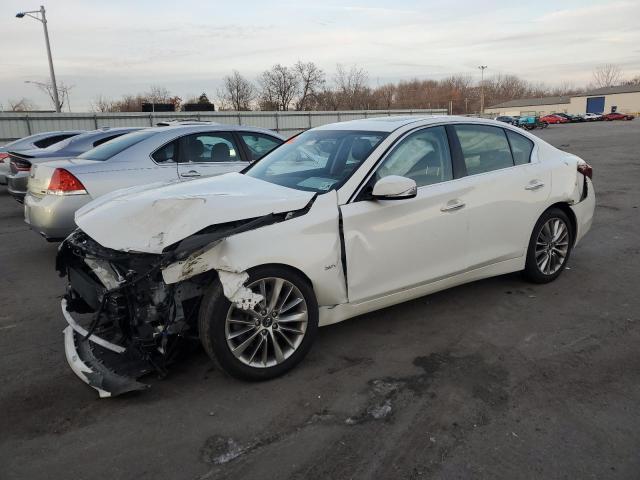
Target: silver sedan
<point x="22" y="161"/>
<point x="56" y="189"/>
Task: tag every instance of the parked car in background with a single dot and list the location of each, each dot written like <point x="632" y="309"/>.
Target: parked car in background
<point x="36" y="141"/>
<point x="592" y="117"/>
<point x="570" y="118"/>
<point x="617" y="116"/>
<point x="22" y="161"/>
<point x="57" y="189"/>
<point x="507" y="119"/>
<point x="252" y="263"/>
<point x="553" y="119"/>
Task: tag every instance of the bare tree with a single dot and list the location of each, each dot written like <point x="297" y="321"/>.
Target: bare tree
<point x="606" y="75"/>
<point x="279" y="86"/>
<point x="103" y="104"/>
<point x="383" y="96"/>
<point x="351" y="86"/>
<point x="635" y="81"/>
<point x="21" y="105"/>
<point x="238" y="92"/>
<point x="311" y="80"/>
<point x="160" y="94"/>
<point x="63" y="92"/>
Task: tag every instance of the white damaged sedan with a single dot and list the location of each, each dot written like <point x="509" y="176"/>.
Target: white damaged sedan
<point x="339" y="221"/>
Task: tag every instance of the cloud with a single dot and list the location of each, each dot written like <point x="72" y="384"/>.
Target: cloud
<point x="121" y="46"/>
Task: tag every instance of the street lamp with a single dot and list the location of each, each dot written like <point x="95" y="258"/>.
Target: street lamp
<point x="42" y="18"/>
<point x="482" y="67"/>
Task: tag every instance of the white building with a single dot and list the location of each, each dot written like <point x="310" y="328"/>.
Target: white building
<point x="625" y="99"/>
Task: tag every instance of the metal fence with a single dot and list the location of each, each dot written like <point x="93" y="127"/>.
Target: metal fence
<point x="18" y="125"/>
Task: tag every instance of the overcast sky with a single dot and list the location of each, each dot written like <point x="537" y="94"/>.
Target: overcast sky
<point x="123" y="46"/>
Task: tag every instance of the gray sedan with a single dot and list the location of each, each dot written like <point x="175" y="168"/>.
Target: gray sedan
<point x="22" y="161"/>
<point x="164" y="154"/>
<point x="32" y="142"/>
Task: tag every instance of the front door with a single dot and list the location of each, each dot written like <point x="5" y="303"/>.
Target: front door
<point x="391" y="245"/>
<point x="207" y="154"/>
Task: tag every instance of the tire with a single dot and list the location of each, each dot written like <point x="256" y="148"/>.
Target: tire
<point x="214" y="329"/>
<point x="541" y="246"/>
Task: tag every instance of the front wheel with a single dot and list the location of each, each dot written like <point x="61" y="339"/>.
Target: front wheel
<point x="549" y="247"/>
<point x="263" y="342"/>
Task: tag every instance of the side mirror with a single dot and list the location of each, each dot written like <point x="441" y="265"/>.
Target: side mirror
<point x="394" y="187"/>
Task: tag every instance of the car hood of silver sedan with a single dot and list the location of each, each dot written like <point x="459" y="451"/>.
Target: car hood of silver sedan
<point x="150" y="218"/>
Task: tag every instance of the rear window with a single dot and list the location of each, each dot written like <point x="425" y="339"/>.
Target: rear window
<point x="484" y="148"/>
<point x="115" y="146"/>
<point x="259" y="145"/>
<point x="46" y="142"/>
<point x="521" y="148"/>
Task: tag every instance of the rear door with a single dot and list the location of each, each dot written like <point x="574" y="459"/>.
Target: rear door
<point x="209" y="153"/>
<point x="505" y="189"/>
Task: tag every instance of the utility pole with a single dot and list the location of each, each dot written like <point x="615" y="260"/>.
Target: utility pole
<point x="43" y="19"/>
<point x="482" y="67"/>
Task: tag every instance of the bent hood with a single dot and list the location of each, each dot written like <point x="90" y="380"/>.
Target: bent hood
<point x="152" y="217"/>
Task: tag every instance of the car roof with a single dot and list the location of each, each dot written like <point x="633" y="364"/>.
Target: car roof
<point x="214" y="127"/>
<point x="389" y="124"/>
<point x="100" y="131"/>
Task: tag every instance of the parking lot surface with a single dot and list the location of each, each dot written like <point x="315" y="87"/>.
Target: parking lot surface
<point x="494" y="379"/>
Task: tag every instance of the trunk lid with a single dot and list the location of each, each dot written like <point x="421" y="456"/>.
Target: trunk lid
<point x="40" y="174"/>
<point x="150" y="218"/>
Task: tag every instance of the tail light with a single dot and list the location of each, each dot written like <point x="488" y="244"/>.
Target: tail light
<point x="3" y="157"/>
<point x="20" y="165"/>
<point x="64" y="183"/>
<point x="585" y="169"/>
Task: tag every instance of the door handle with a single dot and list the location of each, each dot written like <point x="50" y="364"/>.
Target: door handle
<point x="190" y="173"/>
<point x="452" y="206"/>
<point x="534" y="185"/>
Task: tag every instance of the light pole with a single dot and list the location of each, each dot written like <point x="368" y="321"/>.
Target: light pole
<point x="482" y="67"/>
<point x="43" y="19"/>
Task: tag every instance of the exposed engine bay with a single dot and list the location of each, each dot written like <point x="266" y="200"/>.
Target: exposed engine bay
<point x="130" y="307"/>
<point x="124" y="320"/>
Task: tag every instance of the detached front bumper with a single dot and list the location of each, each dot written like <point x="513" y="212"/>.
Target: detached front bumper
<point x="109" y="368"/>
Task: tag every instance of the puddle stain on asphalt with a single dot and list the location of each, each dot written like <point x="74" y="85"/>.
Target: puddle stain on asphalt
<point x="484" y="382"/>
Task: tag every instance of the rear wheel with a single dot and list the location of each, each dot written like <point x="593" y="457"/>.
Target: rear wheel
<point x="549" y="247"/>
<point x="265" y="341"/>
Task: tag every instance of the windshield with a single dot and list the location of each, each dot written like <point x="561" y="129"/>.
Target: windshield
<point x="108" y="149"/>
<point x="317" y="160"/>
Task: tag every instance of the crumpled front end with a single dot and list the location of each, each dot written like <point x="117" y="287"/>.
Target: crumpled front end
<point x="124" y="322"/>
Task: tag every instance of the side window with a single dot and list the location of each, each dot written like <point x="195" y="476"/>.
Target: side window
<point x="422" y="156"/>
<point x="259" y="145"/>
<point x="106" y="139"/>
<point x="166" y="154"/>
<point x="521" y="147"/>
<point x="209" y="147"/>
<point x="484" y="148"/>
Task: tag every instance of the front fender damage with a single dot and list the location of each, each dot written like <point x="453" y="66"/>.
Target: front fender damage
<point x="234" y="289"/>
<point x="141" y="307"/>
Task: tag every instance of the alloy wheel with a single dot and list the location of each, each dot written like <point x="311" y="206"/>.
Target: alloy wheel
<point x="552" y="246"/>
<point x="269" y="333"/>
